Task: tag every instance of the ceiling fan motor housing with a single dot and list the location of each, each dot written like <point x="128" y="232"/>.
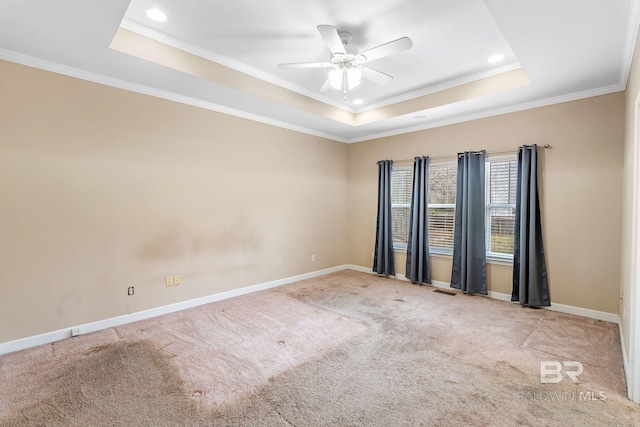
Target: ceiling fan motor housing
<point x="352" y="58"/>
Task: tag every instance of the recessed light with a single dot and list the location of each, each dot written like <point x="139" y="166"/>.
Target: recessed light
<point x="358" y="102"/>
<point x="495" y="58"/>
<point x="156" y="15"/>
<point x="420" y="116"/>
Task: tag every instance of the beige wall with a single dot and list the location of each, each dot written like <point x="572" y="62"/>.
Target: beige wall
<point x="581" y="192"/>
<point x="102" y="189"/>
<point x="631" y="94"/>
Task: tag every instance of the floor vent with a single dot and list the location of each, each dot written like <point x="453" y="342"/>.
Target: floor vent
<point x="440" y="291"/>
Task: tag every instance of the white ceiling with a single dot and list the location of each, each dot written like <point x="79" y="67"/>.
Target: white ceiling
<point x="451" y="39"/>
<point x="569" y="49"/>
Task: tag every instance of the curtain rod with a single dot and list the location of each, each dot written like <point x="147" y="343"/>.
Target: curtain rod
<point x="489" y="153"/>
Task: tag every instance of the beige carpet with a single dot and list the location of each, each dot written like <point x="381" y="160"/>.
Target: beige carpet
<point x="346" y="349"/>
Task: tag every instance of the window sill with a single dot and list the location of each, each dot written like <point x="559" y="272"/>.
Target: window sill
<point x="490" y="259"/>
<point x="440" y="254"/>
<point x="500" y="261"/>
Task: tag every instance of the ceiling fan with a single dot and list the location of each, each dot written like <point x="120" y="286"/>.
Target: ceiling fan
<point x="347" y="62"/>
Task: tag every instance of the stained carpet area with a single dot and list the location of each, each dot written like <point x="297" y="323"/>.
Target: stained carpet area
<point x="346" y="349"/>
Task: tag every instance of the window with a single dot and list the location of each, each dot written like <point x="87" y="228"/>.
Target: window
<point x="501" y="177"/>
<point x="442" y="206"/>
<point x="401" y="183"/>
<point x="500" y="206"/>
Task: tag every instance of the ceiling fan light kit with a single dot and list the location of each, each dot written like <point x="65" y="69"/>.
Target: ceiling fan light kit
<point x="338" y="76"/>
<point x="347" y="62"/>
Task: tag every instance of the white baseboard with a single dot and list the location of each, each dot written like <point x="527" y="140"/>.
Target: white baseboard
<point x="625" y="360"/>
<point x="585" y="312"/>
<point x="49" y="337"/>
<point x="561" y="308"/>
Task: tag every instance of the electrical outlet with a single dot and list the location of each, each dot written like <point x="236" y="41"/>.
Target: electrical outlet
<point x="176" y="280"/>
<point x="130" y="290"/>
<point x="313" y="258"/>
<point x="168" y="281"/>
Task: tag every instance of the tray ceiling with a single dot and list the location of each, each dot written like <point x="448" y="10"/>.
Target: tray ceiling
<point x="224" y="55"/>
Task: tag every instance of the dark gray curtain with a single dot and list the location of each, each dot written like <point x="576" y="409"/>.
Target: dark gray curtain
<point x="469" y="272"/>
<point x="418" y="243"/>
<point x="530" y="283"/>
<point x="383" y="251"/>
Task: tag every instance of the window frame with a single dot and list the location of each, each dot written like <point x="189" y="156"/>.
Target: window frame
<point x="437" y="250"/>
<point x="496" y="256"/>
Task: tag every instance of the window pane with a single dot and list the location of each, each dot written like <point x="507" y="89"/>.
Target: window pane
<point x="400" y="223"/>
<point x="442" y="184"/>
<point x="401" y="187"/>
<point x="502" y="182"/>
<point x="437" y="184"/>
<point x="452" y="182"/>
<point x="502" y="225"/>
<point x="441" y="227"/>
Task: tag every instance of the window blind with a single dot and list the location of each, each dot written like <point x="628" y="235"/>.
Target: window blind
<point x="401" y="183"/>
<point x="501" y="177"/>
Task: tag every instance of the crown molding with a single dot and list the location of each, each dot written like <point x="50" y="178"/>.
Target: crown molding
<point x="605" y="90"/>
<point x="53" y="67"/>
<point x="630" y="42"/>
<point x="145" y="90"/>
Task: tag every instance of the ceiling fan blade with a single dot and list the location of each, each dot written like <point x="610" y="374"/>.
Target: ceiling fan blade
<point x="376" y="76"/>
<point x="306" y="65"/>
<point x="332" y="39"/>
<point x="326" y="86"/>
<point x="388" y="49"/>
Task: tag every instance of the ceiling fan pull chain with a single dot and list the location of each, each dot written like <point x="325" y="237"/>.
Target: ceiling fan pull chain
<point x="344" y="85"/>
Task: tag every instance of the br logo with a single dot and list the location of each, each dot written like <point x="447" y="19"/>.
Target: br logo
<point x="551" y="372"/>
